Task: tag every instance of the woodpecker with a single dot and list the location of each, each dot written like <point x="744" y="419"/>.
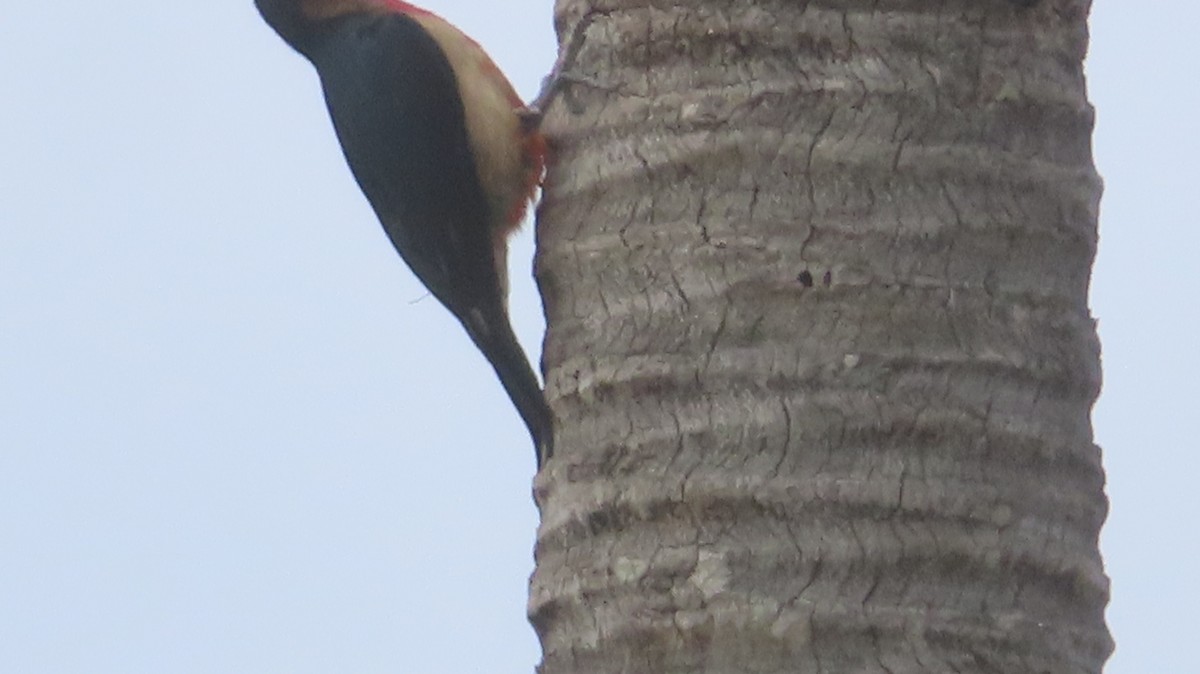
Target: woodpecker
<point x="445" y="152"/>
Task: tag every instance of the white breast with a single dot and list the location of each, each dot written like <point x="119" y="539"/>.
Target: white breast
<point x="490" y="104"/>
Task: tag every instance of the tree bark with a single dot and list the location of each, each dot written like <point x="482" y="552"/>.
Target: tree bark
<point x="818" y="344"/>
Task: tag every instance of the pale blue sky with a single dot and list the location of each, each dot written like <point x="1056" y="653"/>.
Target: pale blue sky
<point x="237" y="437"/>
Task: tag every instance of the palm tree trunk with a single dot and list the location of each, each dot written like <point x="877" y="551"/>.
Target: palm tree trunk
<point x="819" y="347"/>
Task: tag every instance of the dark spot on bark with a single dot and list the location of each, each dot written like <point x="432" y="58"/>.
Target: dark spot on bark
<point x="827" y="279"/>
<point x="805" y="278"/>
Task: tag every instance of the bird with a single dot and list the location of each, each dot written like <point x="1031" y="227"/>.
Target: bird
<point x="445" y="152"/>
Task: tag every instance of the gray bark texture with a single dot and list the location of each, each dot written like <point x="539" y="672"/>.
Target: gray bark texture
<point x="819" y="348"/>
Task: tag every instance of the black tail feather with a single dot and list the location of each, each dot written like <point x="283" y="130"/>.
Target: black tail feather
<point x="494" y="336"/>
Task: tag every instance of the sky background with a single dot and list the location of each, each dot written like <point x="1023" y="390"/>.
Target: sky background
<point x="236" y="436"/>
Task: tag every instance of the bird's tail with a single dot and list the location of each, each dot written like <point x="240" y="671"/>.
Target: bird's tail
<point x="493" y="334"/>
